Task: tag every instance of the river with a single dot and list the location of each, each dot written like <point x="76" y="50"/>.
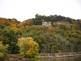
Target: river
<point x="46" y="58"/>
<point x="61" y="59"/>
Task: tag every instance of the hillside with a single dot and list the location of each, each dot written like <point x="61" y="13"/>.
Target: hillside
<point x="53" y="33"/>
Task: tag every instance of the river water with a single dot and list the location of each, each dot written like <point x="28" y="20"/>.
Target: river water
<point x="61" y="59"/>
<point x="46" y="58"/>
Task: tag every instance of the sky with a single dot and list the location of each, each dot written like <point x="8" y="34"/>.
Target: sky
<point x="25" y="9"/>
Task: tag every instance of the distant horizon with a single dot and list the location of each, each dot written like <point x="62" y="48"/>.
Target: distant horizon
<point x="26" y="9"/>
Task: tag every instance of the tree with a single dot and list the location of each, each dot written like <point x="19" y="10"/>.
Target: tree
<point x="37" y="20"/>
<point x="3" y="52"/>
<point x="9" y="37"/>
<point x="28" y="47"/>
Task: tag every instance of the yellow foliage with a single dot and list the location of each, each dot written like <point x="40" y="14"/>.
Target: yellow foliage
<point x="2" y="50"/>
<point x="28" y="47"/>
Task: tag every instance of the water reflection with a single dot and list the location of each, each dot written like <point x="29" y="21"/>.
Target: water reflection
<point x="49" y="59"/>
<point x="61" y="59"/>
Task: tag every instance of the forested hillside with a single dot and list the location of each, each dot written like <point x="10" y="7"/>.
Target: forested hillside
<point x="54" y="33"/>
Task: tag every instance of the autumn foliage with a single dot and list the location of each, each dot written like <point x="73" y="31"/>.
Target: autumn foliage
<point x="34" y="35"/>
<point x="28" y="47"/>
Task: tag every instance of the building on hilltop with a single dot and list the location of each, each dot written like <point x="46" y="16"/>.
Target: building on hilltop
<point x="44" y="23"/>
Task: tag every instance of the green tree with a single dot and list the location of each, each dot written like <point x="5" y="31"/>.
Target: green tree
<point x="9" y="37"/>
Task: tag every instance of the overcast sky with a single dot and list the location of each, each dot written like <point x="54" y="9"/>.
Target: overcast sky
<point x="25" y="9"/>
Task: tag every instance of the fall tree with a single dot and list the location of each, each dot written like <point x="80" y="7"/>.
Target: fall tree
<point x="3" y="51"/>
<point x="28" y="47"/>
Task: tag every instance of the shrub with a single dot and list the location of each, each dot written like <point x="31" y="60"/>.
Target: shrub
<point x="28" y="47"/>
<point x="3" y="52"/>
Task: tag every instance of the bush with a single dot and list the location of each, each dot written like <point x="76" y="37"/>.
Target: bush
<point x="3" y="52"/>
<point x="28" y="47"/>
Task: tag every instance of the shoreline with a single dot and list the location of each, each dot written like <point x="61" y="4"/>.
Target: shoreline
<point x="16" y="57"/>
<point x="60" y="55"/>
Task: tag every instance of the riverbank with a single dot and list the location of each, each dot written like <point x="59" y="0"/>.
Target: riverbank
<point x="16" y="57"/>
<point x="60" y="55"/>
